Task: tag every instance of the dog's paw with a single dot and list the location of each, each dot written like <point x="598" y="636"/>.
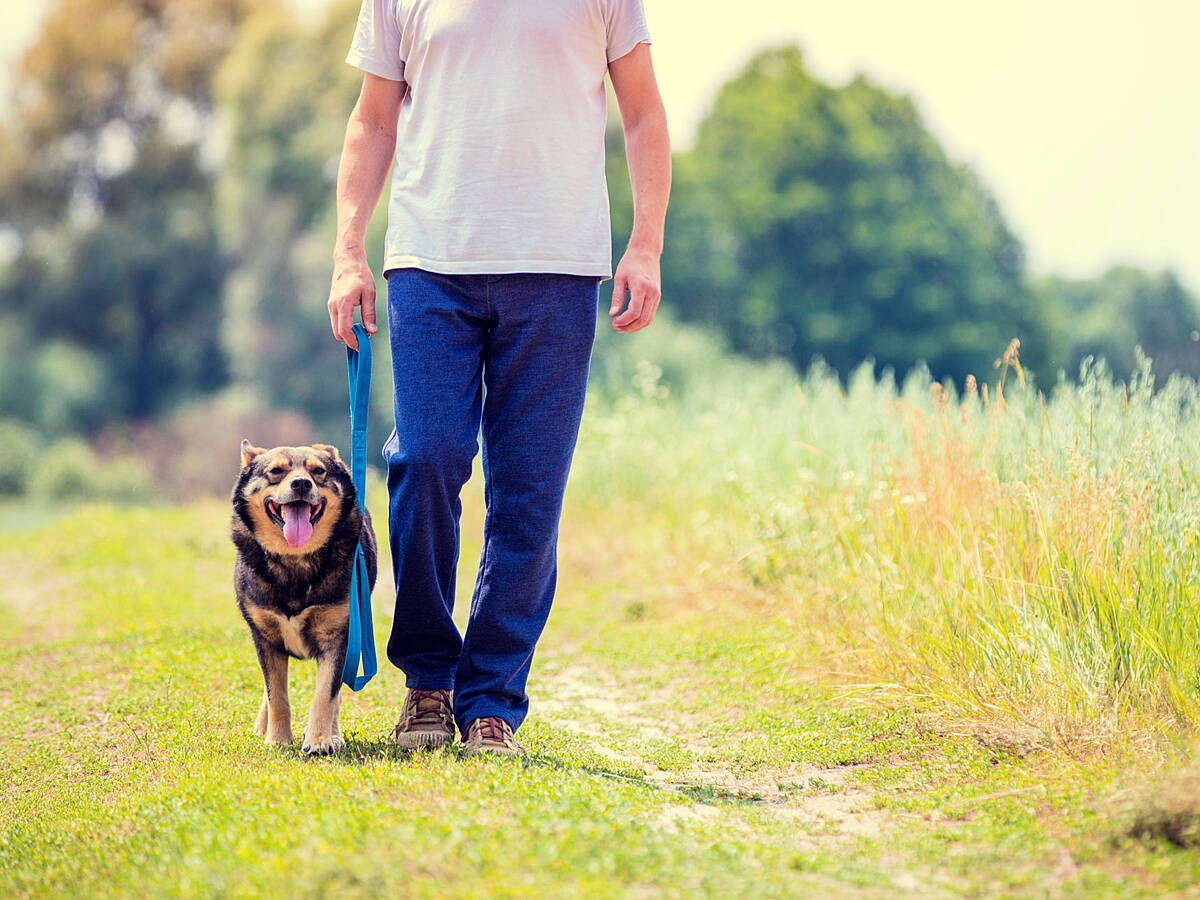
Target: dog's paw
<point x="278" y="738"/>
<point x="321" y="744"/>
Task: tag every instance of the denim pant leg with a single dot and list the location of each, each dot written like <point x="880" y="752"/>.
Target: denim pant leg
<point x="535" y="370"/>
<point x="438" y="327"/>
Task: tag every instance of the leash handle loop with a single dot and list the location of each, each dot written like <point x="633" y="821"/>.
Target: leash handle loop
<point x="360" y="641"/>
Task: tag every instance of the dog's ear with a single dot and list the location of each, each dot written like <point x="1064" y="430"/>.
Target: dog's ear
<point x="330" y="449"/>
<point x="250" y="453"/>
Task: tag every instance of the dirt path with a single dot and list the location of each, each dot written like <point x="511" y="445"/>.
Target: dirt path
<point x="31" y="601"/>
<point x="621" y="725"/>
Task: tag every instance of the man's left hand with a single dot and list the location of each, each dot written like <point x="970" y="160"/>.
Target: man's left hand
<point x="637" y="274"/>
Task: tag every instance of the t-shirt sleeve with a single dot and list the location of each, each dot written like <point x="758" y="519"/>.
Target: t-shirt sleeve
<point x="376" y="44"/>
<point x="625" y="23"/>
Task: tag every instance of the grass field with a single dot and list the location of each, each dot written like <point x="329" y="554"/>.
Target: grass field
<point x="808" y="641"/>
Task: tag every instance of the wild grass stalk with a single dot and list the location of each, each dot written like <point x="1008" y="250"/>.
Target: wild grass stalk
<point x="994" y="555"/>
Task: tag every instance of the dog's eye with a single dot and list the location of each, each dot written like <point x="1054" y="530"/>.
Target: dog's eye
<point x="318" y="471"/>
<point x="277" y="472"/>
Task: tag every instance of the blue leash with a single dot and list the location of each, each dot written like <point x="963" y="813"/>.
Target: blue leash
<point x="361" y="640"/>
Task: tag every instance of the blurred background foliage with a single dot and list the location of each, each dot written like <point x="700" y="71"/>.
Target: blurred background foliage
<point x="166" y="221"/>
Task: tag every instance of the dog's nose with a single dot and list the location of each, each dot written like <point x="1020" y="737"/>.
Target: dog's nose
<point x="301" y="485"/>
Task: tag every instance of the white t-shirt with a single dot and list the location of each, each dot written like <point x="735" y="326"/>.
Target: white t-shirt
<point x="500" y="142"/>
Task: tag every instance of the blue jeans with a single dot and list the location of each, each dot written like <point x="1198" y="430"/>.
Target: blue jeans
<point x="509" y="353"/>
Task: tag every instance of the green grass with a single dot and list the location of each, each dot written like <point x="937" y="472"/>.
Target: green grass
<point x="676" y="754"/>
<point x="807" y="642"/>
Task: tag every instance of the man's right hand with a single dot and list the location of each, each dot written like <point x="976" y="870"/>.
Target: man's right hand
<point x="353" y="285"/>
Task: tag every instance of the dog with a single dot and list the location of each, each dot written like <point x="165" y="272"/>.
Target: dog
<point x="296" y="525"/>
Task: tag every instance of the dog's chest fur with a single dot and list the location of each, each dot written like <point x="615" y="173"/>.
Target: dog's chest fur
<point x="303" y="635"/>
<point x="299" y="607"/>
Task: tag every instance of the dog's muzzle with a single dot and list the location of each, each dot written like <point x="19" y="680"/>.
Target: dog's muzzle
<point x="296" y="516"/>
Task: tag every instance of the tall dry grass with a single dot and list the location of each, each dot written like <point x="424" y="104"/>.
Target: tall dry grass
<point x="999" y="554"/>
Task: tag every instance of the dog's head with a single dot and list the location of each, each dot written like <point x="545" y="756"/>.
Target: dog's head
<point x="291" y="498"/>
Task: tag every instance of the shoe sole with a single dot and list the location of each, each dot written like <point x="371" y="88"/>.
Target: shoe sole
<point x="422" y="740"/>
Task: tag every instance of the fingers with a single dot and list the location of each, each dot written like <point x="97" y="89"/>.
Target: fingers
<point x="643" y="303"/>
<point x="341" y="313"/>
<point x="341" y="318"/>
<point x="345" y="324"/>
<point x="620" y="286"/>
<point x="368" y="311"/>
<point x="637" y="297"/>
<point x="649" y="308"/>
<point x="648" y="312"/>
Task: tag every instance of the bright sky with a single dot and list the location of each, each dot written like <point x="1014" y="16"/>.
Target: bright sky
<point x="1082" y="117"/>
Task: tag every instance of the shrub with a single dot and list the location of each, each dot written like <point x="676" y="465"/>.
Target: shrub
<point x="126" y="479"/>
<point x="194" y="452"/>
<point x="70" y="470"/>
<point x="18" y="456"/>
<point x="64" y="471"/>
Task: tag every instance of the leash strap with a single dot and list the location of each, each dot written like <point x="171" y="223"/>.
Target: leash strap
<point x="360" y="643"/>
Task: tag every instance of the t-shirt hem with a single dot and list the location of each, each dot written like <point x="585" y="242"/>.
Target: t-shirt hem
<point x="367" y="64"/>
<point x="601" y="270"/>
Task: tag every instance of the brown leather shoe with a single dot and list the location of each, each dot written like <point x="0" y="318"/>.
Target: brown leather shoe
<point x="426" y="721"/>
<point x="491" y="734"/>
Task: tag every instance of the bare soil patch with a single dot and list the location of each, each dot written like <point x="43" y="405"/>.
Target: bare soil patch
<point x="617" y="722"/>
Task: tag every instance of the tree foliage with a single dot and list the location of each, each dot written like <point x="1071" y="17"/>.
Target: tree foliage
<point x="111" y="304"/>
<point x="810" y="220"/>
<point x="287" y="92"/>
<point x="1125" y="308"/>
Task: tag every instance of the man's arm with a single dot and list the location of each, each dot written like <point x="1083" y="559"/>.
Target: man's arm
<point x="648" y="151"/>
<point x="366" y="159"/>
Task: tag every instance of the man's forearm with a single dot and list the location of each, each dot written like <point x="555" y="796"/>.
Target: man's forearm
<point x="648" y="152"/>
<point x="366" y="160"/>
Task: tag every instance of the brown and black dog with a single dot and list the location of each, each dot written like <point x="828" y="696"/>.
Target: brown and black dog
<point x="296" y="525"/>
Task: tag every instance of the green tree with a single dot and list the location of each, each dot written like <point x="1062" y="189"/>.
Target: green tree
<point x="1124" y="308"/>
<point x="287" y="92"/>
<point x="114" y="285"/>
<point x="811" y="221"/>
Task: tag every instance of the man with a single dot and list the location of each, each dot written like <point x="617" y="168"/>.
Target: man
<point x="498" y="237"/>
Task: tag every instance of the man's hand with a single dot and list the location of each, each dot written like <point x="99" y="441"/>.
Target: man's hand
<point x="353" y="285"/>
<point x="637" y="274"/>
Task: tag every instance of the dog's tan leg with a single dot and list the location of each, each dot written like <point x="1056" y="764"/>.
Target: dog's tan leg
<point x="260" y="723"/>
<point x="279" y="710"/>
<point x="323" y="733"/>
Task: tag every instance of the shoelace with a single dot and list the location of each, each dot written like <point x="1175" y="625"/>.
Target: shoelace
<point x="428" y="707"/>
<point x="494" y="729"/>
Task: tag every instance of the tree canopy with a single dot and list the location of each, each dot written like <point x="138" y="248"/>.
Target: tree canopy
<point x="810" y="220"/>
<point x="1123" y="309"/>
<point x="111" y="306"/>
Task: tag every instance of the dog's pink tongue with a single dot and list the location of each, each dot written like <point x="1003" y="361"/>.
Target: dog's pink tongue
<point x="297" y="527"/>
